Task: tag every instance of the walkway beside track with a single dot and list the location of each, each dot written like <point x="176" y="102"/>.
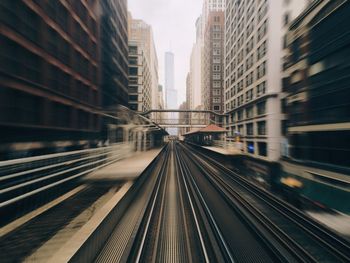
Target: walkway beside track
<point x="94" y="197"/>
<point x="224" y="151"/>
<point x="126" y="169"/>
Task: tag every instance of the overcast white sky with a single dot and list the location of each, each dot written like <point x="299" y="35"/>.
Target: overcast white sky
<point x="173" y="23"/>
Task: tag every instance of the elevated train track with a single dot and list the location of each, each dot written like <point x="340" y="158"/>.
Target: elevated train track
<point x="187" y="207"/>
<point x="199" y="211"/>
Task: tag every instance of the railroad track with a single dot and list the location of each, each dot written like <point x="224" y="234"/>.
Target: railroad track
<point x="178" y="224"/>
<point x="187" y="207"/>
<point x="168" y="229"/>
<point x="284" y="229"/>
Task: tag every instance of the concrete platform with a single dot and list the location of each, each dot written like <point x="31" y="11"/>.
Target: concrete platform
<point x="338" y="222"/>
<point x="127" y="169"/>
<point x="224" y="151"/>
<point x="121" y="175"/>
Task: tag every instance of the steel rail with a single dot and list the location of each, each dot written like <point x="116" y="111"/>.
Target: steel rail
<point x="182" y="172"/>
<point x="152" y="207"/>
<point x="222" y="240"/>
<point x="336" y="245"/>
<point x="233" y="196"/>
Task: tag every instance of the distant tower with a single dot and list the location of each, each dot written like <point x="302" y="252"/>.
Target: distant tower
<point x="170" y="91"/>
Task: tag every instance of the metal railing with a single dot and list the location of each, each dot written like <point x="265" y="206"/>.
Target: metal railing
<point x="25" y="177"/>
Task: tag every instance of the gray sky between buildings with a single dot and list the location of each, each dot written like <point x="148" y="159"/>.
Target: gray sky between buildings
<point x="173" y="23"/>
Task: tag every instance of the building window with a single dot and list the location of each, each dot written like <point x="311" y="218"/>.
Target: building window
<point x="133" y="71"/>
<point x="262" y="128"/>
<point x="250" y="147"/>
<point x="133" y="61"/>
<point x="249" y="112"/>
<point x="216" y="44"/>
<point x="132" y="50"/>
<point x="284" y="127"/>
<point x="262" y="148"/>
<point x="249" y="79"/>
<point x="133" y="80"/>
<point x="240" y="115"/>
<point x="216" y="108"/>
<point x="262" y="30"/>
<point x="262" y="11"/>
<point x="217" y="52"/>
<point x="216" y="100"/>
<point x="284" y="105"/>
<point x="261" y="89"/>
<point x="217" y="28"/>
<point x="250" y="129"/>
<point x="262" y="50"/>
<point x="250" y="45"/>
<point x="261" y="108"/>
<point x="217" y="36"/>
<point x="216" y="76"/>
<point x="249" y="95"/>
<point x="217" y="60"/>
<point x="249" y="62"/>
<point x="216" y="92"/>
<point x="240" y="71"/>
<point x="217" y="84"/>
<point x="261" y="70"/>
<point x="240" y="100"/>
<point x="216" y="67"/>
<point x="133" y="97"/>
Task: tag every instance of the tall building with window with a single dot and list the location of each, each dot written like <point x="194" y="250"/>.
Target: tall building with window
<point x="213" y="63"/>
<point x="114" y="53"/>
<point x="317" y="81"/>
<point x="140" y="83"/>
<point x="209" y="6"/>
<point x="195" y="73"/>
<point x="253" y="72"/>
<point x="142" y="33"/>
<point x="49" y="64"/>
<point x="143" y="67"/>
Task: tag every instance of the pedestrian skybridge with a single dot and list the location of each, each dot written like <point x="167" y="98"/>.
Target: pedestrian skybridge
<point x="184" y="118"/>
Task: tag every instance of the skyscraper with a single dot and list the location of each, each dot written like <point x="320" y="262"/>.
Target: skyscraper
<point x="195" y="74"/>
<point x="143" y="66"/>
<point x="140" y="32"/>
<point x="114" y="53"/>
<point x="140" y="88"/>
<point x="253" y="73"/>
<point x="213" y="73"/>
<point x="49" y="64"/>
<point x="170" y="91"/>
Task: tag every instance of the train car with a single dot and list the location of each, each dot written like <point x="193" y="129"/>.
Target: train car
<point x="330" y="189"/>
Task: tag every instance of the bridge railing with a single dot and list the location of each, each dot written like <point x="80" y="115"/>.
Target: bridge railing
<point x="25" y="177"/>
<point x="181" y="121"/>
